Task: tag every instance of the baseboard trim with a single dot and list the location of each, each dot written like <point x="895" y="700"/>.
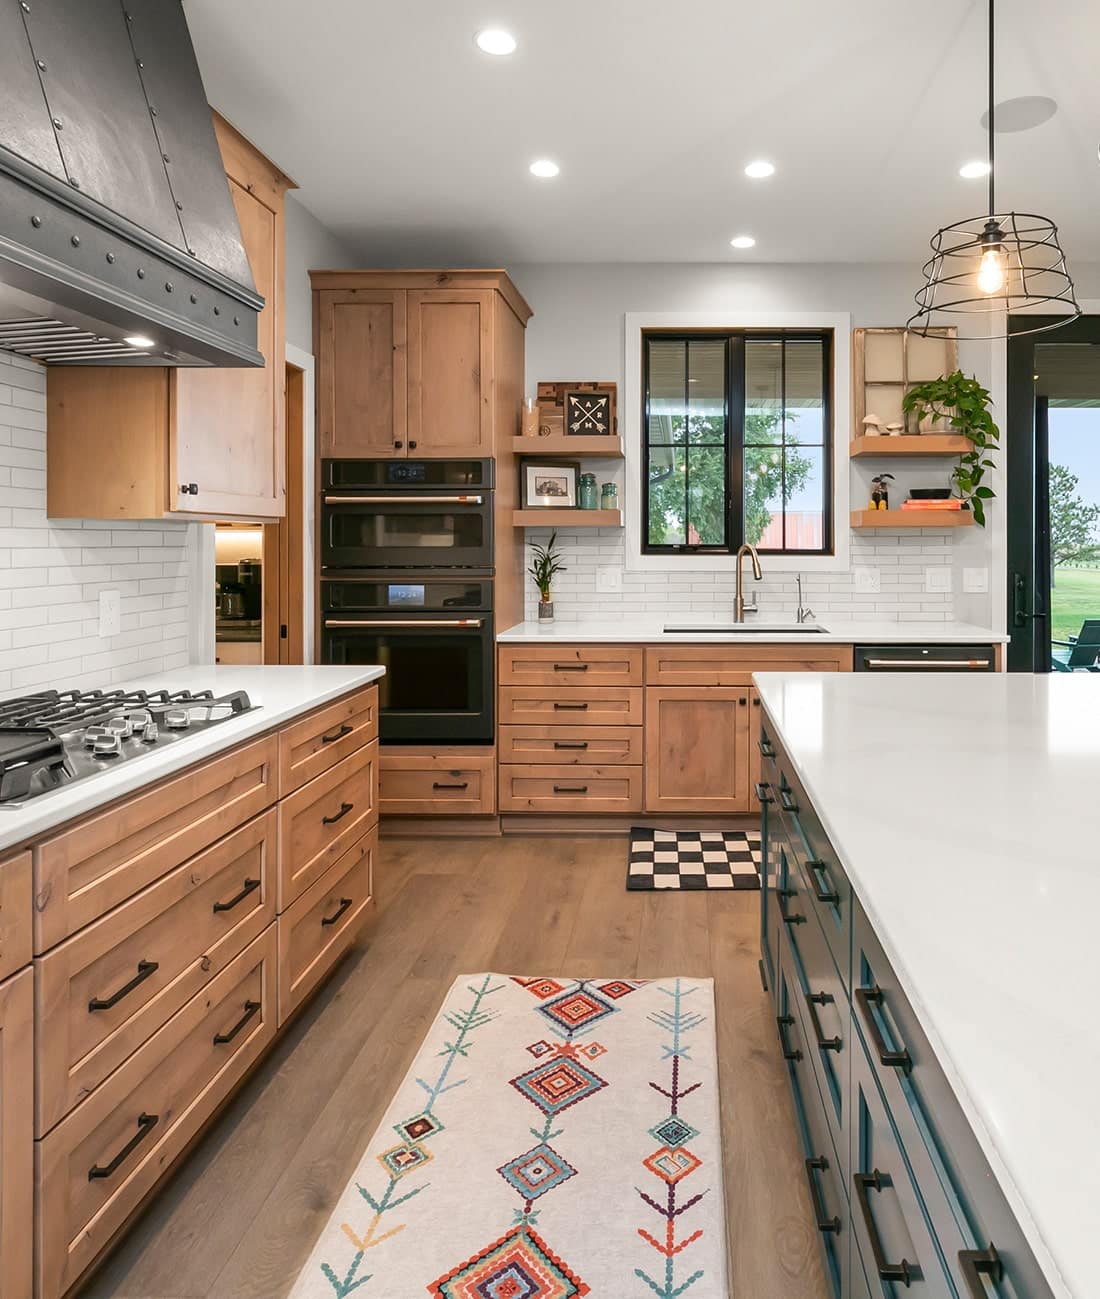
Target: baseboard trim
<point x="439" y="827"/>
<point x="570" y="827"/>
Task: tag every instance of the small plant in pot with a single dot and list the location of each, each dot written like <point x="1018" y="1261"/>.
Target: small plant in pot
<point x="545" y="563"/>
<point x="962" y="402"/>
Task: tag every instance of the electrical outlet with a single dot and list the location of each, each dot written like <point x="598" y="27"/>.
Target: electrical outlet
<point x="866" y="581"/>
<point x="110" y="613"/>
<point x="975" y="580"/>
<point x="609" y="577"/>
<point x="937" y="581"/>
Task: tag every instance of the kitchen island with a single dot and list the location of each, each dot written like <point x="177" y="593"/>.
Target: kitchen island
<point x="928" y="936"/>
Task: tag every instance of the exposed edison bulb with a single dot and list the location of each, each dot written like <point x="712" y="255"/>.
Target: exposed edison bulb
<point x="991" y="272"/>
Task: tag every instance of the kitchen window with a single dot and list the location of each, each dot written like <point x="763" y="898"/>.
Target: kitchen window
<point x="737" y="442"/>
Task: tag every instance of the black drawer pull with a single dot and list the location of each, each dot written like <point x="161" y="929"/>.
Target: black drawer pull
<point x="824" y="892"/>
<point x="331" y="920"/>
<point x="788" y="801"/>
<point x="783" y="1022"/>
<point x="250" y="1008"/>
<point x="877" y="1181"/>
<point x="461" y="784"/>
<point x="813" y="1000"/>
<point x="345" y="808"/>
<point x="766" y="748"/>
<point x="762" y="793"/>
<point x="567" y="708"/>
<point x="146" y="1123"/>
<point x="570" y="789"/>
<point x="824" y="1223"/>
<point x="250" y="886"/>
<point x="570" y="744"/>
<point x="865" y="999"/>
<point x="792" y="918"/>
<point x="978" y="1262"/>
<point x="337" y="735"/>
<point x="570" y="667"/>
<point x="145" y="970"/>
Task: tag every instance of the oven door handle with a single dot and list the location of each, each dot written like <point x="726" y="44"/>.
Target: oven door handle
<point x="406" y="623"/>
<point x="404" y="500"/>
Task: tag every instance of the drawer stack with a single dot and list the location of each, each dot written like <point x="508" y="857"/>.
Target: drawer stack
<point x="174" y="933"/>
<point x="16" y="1079"/>
<point x="571" y="737"/>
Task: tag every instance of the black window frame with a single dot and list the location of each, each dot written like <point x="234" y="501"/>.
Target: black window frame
<point x="734" y="421"/>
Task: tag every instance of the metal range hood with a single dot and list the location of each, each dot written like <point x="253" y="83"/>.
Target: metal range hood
<point x="116" y="219"/>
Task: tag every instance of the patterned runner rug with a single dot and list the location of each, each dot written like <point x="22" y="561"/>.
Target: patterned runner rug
<point x="553" y="1138"/>
<point x="694" y="859"/>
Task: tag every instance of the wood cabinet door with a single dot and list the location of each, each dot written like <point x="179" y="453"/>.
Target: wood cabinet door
<point x="450" y="372"/>
<point x="16" y="1134"/>
<point x="697" y="749"/>
<point x="361" y="373"/>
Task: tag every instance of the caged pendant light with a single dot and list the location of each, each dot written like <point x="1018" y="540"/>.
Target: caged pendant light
<point x="995" y="263"/>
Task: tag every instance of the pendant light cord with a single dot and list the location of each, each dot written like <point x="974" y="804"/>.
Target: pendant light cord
<point x="992" y="200"/>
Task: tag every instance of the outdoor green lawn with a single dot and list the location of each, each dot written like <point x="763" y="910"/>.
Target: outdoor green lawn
<point x="1075" y="597"/>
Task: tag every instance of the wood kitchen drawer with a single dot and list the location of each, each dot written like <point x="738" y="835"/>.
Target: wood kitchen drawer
<point x="602" y="745"/>
<point x="320" y="821"/>
<point x="424" y="781"/>
<point x="99" y="1163"/>
<point x="15" y="915"/>
<point x="148" y="957"/>
<point x="733" y="665"/>
<point x="16" y="1135"/>
<point x="320" y="926"/>
<point x="570" y="789"/>
<point x="321" y="739"/>
<point x="570" y="706"/>
<point x="84" y="871"/>
<point x="570" y="665"/>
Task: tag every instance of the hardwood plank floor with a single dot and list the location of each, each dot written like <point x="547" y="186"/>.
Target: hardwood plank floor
<point x="239" y="1219"/>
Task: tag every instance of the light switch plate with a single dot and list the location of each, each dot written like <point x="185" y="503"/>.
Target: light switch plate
<point x="110" y="613"/>
<point x="609" y="577"/>
<point x="866" y="581"/>
<point x="937" y="581"/>
<point x="975" y="580"/>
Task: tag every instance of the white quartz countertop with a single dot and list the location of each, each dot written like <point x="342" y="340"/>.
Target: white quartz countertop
<point x="966" y="811"/>
<point x="282" y="693"/>
<point x="642" y="630"/>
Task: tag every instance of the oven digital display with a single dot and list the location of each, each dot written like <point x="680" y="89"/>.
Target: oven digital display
<point x="407" y="471"/>
<point x="405" y="596"/>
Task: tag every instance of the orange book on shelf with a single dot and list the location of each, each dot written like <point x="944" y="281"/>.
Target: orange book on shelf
<point x="952" y="503"/>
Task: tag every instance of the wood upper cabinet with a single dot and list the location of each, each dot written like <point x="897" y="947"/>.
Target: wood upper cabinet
<point x="361" y="373"/>
<point x="149" y="443"/>
<point x="697" y="749"/>
<point x="450" y="372"/>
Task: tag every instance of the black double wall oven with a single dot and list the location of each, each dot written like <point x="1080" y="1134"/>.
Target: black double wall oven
<point x="407" y="582"/>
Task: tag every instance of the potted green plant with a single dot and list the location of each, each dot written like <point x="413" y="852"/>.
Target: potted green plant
<point x="964" y="404"/>
<point x="546" y="562"/>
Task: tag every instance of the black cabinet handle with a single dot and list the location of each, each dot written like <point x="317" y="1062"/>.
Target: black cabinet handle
<point x="570" y="744"/>
<point x="412" y="445"/>
<point x="742" y="702"/>
<point x="823" y="892"/>
<point x="145" y="970"/>
<point x="570" y="667"/>
<point x="250" y="1008"/>
<point x="567" y="708"/>
<point x="345" y="808"/>
<point x="146" y="1123"/>
<point x="789" y="918"/>
<point x="331" y="920"/>
<point x="250" y="886"/>
<point x="766" y="748"/>
<point x="756" y="701"/>
<point x="337" y="735"/>
<point x="865" y="999"/>
<point x="189" y="489"/>
<point x="977" y="1263"/>
<point x="877" y="1181"/>
<point x="788" y="801"/>
<point x="570" y="789"/>
<point x="783" y="1022"/>
<point x="824" y="1224"/>
<point x="813" y="1000"/>
<point x="463" y="784"/>
<point x="398" y="445"/>
<point x="762" y="793"/>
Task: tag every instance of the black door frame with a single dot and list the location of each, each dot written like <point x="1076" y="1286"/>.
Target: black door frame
<point x="1026" y="469"/>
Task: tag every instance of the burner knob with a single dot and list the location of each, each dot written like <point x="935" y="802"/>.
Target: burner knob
<point x="177" y="719"/>
<point x="92" y="734"/>
<point x="149" y="732"/>
<point x="140" y="719"/>
<point x="107" y="746"/>
<point x="120" y="726"/>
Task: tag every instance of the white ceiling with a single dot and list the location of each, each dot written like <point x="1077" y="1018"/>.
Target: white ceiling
<point x="413" y="146"/>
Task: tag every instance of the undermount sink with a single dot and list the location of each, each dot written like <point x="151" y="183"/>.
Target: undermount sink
<point x="750" y="629"/>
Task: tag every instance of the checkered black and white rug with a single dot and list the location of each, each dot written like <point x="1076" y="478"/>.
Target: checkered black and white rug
<point x="694" y="859"/>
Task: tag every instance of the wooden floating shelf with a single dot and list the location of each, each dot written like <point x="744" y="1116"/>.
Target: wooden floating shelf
<point x="553" y="518"/>
<point x="912" y="519"/>
<point x="562" y="445"/>
<point x="908" y="444"/>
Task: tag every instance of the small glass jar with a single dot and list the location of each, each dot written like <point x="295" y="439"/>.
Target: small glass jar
<point x="609" y="496"/>
<point x="586" y="492"/>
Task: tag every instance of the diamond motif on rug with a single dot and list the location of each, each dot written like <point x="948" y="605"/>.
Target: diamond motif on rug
<point x="557" y="1084"/>
<point x="418" y="1127"/>
<point x="575" y="1010"/>
<point x="518" y="1266"/>
<point x="673" y="1132"/>
<point x="616" y="989"/>
<point x="537" y="1172"/>
<point x="399" y="1160"/>
<point x="672" y="1165"/>
<point x="540" y="1048"/>
<point x="542" y="988"/>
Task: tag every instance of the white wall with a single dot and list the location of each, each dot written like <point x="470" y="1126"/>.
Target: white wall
<point x="310" y="246"/>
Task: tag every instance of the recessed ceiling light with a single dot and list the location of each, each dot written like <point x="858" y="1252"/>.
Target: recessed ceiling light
<point x="974" y="170"/>
<point x="760" y="169"/>
<point x="495" y="41"/>
<point x="544" y="168"/>
<point x="139" y="340"/>
<point x="742" y="241"/>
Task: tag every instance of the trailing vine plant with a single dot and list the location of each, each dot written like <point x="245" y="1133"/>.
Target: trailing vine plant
<point x="961" y="401"/>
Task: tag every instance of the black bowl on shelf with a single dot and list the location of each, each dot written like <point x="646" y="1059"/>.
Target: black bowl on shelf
<point x="929" y="493"/>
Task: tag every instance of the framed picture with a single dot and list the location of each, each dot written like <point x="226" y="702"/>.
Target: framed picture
<point x="577" y="409"/>
<point x="549" y="484"/>
<point x="588" y="414"/>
